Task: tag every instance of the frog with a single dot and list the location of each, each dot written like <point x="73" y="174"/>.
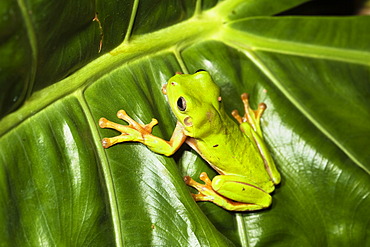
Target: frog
<point x="234" y="148"/>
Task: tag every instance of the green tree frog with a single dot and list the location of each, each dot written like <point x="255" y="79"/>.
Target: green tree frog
<point x="237" y="152"/>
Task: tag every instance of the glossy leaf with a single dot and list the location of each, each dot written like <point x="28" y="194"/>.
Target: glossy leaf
<point x="60" y="187"/>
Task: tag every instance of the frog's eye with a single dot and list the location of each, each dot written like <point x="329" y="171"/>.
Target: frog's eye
<point x="199" y="70"/>
<point x="181" y="104"/>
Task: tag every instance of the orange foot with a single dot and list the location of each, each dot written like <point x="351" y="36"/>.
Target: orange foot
<point x="250" y="116"/>
<point x="207" y="193"/>
<point x="131" y="132"/>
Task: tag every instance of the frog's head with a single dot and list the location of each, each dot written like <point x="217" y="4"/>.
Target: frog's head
<point x="194" y="99"/>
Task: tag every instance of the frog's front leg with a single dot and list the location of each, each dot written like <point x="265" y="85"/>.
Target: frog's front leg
<point x="131" y="132"/>
<point x="234" y="193"/>
<point x="135" y="132"/>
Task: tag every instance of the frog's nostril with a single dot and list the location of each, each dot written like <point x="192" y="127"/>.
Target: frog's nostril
<point x="164" y="89"/>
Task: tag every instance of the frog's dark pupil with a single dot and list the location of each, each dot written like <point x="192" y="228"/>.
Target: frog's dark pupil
<point x="181" y="104"/>
<point x="199" y="70"/>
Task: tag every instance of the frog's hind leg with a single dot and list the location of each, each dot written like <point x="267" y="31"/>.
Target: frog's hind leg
<point x="208" y="193"/>
<point x="251" y="116"/>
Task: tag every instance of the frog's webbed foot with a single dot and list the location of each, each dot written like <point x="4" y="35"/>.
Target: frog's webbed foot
<point x="131" y="132"/>
<point x="207" y="193"/>
<point x="205" y="190"/>
<point x="251" y="116"/>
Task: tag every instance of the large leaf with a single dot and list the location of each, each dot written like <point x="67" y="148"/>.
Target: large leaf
<point x="60" y="187"/>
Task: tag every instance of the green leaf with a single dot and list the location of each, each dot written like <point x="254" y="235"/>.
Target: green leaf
<point x="69" y="64"/>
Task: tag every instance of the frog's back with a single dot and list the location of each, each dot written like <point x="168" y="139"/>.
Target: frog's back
<point x="230" y="152"/>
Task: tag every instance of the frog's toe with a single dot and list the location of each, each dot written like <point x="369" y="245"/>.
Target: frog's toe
<point x="261" y="108"/>
<point x="148" y="127"/>
<point x="201" y="198"/>
<point x="236" y="115"/>
<point x="103" y="122"/>
<point x="204" y="177"/>
<point x="106" y="143"/>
